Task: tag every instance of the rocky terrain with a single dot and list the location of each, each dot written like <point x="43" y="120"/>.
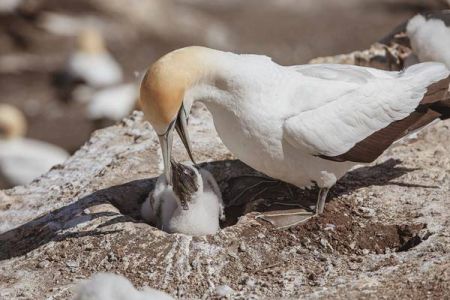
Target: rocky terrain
<point x="385" y="230"/>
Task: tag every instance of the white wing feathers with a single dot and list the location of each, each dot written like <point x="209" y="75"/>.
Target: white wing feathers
<point x="378" y="99"/>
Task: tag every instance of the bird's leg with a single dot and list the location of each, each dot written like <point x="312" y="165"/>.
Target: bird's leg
<point x="320" y="205"/>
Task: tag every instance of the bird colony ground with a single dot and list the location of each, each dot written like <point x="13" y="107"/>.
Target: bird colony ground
<point x="385" y="230"/>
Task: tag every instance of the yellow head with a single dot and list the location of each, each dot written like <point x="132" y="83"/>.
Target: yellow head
<point x="90" y="41"/>
<point x="167" y="80"/>
<point x="162" y="92"/>
<point x="12" y="122"/>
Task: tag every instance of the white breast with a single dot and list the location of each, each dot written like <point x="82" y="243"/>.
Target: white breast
<point x="22" y="160"/>
<point x="97" y="70"/>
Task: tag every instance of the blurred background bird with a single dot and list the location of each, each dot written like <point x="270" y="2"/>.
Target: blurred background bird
<point x="430" y="37"/>
<point x="23" y="159"/>
<point x="109" y="286"/>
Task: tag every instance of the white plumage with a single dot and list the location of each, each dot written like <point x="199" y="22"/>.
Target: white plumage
<point x="108" y="286"/>
<point x="9" y="6"/>
<point x="164" y="209"/>
<point x="368" y="103"/>
<point x="114" y="103"/>
<point x="304" y="125"/>
<point x="280" y="119"/>
<point x="430" y="39"/>
<point x="92" y="63"/>
<point x="22" y="160"/>
<point x="96" y="69"/>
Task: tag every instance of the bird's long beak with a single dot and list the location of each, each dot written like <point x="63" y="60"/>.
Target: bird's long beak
<point x="181" y="127"/>
<point x="165" y="141"/>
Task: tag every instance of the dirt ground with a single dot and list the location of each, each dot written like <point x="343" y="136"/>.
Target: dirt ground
<point x="384" y="233"/>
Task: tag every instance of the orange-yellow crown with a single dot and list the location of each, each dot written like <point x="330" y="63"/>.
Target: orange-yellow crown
<point x="165" y="82"/>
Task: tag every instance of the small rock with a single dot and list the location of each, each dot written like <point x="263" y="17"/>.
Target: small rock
<point x="330" y="227"/>
<point x="242" y="247"/>
<point x="365" y="251"/>
<point x="250" y="282"/>
<point x="261" y="236"/>
<point x="224" y="290"/>
<point x="367" y="212"/>
<point x="43" y="264"/>
<point x="302" y="251"/>
<point x="72" y="264"/>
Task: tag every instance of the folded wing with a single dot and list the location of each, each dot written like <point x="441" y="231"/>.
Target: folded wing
<point x="380" y="108"/>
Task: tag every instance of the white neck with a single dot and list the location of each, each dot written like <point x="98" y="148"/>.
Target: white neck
<point x="217" y="86"/>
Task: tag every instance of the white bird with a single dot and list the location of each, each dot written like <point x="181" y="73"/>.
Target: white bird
<point x="22" y="159"/>
<point x="430" y="39"/>
<point x="305" y="124"/>
<point x="193" y="206"/>
<point x="92" y="63"/>
<point x="114" y="103"/>
<point x="108" y="286"/>
<point x="9" y="6"/>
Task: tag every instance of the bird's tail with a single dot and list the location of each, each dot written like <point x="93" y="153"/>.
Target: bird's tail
<point x="435" y="78"/>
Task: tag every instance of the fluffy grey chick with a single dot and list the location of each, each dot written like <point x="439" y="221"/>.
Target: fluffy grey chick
<point x="193" y="205"/>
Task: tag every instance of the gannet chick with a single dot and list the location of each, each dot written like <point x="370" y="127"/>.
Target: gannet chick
<point x="108" y="286"/>
<point x="193" y="206"/>
<point x="22" y="159"/>
<point x="306" y="124"/>
<point x="430" y="39"/>
<point x="91" y="62"/>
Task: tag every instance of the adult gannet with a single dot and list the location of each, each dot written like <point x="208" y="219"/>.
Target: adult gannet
<point x="22" y="159"/>
<point x="306" y="124"/>
<point x="92" y="63"/>
<point x="113" y="103"/>
<point x="193" y="205"/>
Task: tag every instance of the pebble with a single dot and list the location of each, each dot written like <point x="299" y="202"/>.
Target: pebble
<point x="242" y="247"/>
<point x="302" y="251"/>
<point x="367" y="212"/>
<point x="365" y="251"/>
<point x="250" y="282"/>
<point x="72" y="264"/>
<point x="224" y="290"/>
<point x="330" y="227"/>
<point x="43" y="264"/>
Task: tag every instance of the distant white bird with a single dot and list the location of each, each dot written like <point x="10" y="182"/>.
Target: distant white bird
<point x="430" y="39"/>
<point x="301" y="124"/>
<point x="92" y="63"/>
<point x="114" y="103"/>
<point x="9" y="6"/>
<point x="108" y="286"/>
<point x="22" y="159"/>
<point x="192" y="206"/>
